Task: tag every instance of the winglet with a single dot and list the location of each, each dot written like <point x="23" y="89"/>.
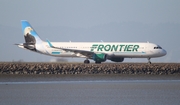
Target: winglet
<point x="49" y="43"/>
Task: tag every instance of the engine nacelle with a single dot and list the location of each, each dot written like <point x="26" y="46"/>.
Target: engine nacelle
<point x="117" y="59"/>
<point x="100" y="57"/>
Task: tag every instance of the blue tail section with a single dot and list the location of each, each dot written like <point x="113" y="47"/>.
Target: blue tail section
<point x="30" y="34"/>
<point x="32" y="40"/>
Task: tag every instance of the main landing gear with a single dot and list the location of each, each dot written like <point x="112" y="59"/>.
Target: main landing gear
<point x="97" y="62"/>
<point x="86" y="61"/>
<point x="149" y="62"/>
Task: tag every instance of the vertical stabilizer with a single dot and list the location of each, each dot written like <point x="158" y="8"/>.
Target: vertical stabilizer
<point x="32" y="40"/>
<point x="30" y="35"/>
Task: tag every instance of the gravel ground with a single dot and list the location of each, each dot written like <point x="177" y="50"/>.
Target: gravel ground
<point x="80" y="68"/>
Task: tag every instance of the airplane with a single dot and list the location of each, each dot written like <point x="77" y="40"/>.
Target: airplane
<point x="97" y="51"/>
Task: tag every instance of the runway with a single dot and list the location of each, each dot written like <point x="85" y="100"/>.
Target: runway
<point x="89" y="90"/>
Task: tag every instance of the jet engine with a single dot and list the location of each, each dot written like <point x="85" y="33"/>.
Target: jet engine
<point x="99" y="57"/>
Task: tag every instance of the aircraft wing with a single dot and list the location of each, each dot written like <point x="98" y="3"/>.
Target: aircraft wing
<point x="88" y="54"/>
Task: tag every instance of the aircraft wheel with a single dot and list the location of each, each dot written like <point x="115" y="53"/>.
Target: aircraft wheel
<point x="86" y="61"/>
<point x="149" y="62"/>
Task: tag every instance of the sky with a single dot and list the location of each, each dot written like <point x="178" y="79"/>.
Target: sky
<point x="156" y="21"/>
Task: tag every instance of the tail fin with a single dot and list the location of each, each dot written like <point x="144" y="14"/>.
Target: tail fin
<point x="30" y="35"/>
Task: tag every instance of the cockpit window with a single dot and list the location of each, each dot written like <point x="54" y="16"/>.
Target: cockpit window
<point x="157" y="47"/>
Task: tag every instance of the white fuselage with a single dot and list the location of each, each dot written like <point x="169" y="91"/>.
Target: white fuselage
<point x="124" y="49"/>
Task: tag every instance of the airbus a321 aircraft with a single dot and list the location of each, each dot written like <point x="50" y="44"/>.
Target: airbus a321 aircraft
<point x="97" y="51"/>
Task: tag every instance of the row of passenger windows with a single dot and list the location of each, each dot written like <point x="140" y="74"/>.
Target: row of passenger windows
<point x="95" y="47"/>
<point x="75" y="47"/>
<point x="157" y="48"/>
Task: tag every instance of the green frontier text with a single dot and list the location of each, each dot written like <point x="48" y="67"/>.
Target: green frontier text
<point x="109" y="47"/>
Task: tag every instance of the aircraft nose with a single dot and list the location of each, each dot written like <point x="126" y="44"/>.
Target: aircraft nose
<point x="163" y="52"/>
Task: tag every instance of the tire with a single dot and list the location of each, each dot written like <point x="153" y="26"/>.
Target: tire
<point x="86" y="61"/>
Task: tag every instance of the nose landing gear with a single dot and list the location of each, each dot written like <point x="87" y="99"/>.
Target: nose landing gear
<point x="149" y="62"/>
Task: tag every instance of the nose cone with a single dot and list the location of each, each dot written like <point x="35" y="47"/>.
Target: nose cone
<point x="163" y="52"/>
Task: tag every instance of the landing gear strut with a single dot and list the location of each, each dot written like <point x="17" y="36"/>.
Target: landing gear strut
<point x="86" y="61"/>
<point x="149" y="62"/>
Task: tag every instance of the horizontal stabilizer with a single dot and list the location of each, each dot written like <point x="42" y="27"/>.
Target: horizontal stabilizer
<point x="19" y="44"/>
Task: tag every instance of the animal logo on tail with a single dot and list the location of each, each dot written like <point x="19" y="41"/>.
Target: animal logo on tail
<point x="30" y="39"/>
